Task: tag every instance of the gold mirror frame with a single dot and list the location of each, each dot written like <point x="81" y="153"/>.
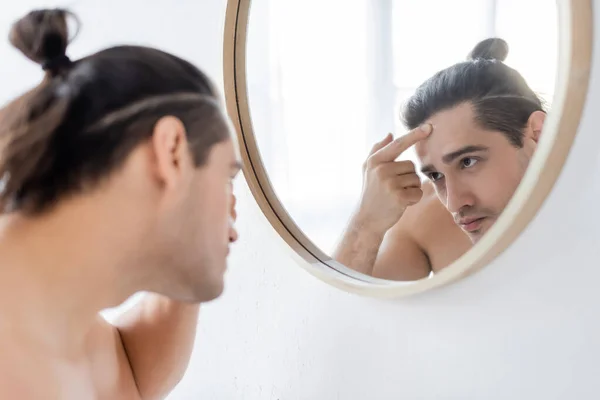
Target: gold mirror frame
<point x="575" y="53"/>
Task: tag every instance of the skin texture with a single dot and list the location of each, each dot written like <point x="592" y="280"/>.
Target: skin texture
<point x="473" y="173"/>
<point x="424" y="240"/>
<point x="158" y="224"/>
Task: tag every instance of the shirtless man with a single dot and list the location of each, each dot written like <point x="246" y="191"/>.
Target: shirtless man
<point x="116" y="178"/>
<point x="475" y="126"/>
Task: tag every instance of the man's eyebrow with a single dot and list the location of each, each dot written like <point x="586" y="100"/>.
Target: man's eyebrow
<point x="448" y="158"/>
<point x="427" y="169"/>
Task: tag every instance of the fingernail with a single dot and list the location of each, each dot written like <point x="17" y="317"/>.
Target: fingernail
<point x="427" y="128"/>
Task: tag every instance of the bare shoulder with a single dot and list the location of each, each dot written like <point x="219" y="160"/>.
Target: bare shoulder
<point x="434" y="229"/>
<point x="25" y="372"/>
<point x="402" y="255"/>
<point x="420" y="215"/>
<point x="29" y="369"/>
<point x="431" y="227"/>
<point x="15" y="380"/>
<point x="20" y="364"/>
<point x="110" y="360"/>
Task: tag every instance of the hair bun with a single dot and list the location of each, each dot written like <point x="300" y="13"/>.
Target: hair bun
<point x="490" y="49"/>
<point x="42" y="35"/>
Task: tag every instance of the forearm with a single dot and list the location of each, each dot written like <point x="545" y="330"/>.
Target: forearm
<point x="158" y="337"/>
<point x="359" y="246"/>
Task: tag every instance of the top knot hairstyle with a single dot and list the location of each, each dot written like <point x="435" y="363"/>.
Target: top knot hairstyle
<point x="43" y="37"/>
<point x="81" y="122"/>
<point x="489" y="49"/>
<point x="501" y="99"/>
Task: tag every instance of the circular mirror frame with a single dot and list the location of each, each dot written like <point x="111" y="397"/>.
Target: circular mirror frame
<point x="575" y="54"/>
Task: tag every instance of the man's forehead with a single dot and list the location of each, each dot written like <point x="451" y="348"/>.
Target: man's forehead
<point x="451" y="129"/>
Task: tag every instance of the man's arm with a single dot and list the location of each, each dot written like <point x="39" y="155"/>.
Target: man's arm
<point x="158" y="337"/>
<point x="358" y="247"/>
<point x="389" y="188"/>
<point x="394" y="254"/>
<point x="400" y="256"/>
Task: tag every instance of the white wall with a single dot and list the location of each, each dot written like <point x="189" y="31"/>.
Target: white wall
<point x="523" y="328"/>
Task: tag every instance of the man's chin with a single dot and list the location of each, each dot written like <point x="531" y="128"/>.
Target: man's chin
<point x="208" y="289"/>
<point x="215" y="290"/>
<point x="476" y="236"/>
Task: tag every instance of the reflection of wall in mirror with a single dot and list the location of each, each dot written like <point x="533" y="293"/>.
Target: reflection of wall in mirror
<point x="329" y="94"/>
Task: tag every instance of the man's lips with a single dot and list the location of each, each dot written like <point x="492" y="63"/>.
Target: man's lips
<point x="471" y="224"/>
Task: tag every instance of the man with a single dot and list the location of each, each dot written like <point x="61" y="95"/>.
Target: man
<point x="53" y="343"/>
<point x="51" y="346"/>
<point x="475" y="126"/>
<point x="117" y="177"/>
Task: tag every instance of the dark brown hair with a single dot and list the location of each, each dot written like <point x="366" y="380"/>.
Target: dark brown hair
<point x="86" y="116"/>
<point x="501" y="99"/>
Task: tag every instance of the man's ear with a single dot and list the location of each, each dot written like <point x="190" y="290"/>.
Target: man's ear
<point x="535" y="124"/>
<point x="171" y="150"/>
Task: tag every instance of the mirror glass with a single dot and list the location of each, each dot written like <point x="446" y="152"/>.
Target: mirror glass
<point x="328" y="80"/>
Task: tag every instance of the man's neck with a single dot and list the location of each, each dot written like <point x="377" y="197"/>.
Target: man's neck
<point x="58" y="271"/>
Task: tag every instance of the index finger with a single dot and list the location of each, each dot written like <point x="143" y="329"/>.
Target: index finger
<point x="393" y="150"/>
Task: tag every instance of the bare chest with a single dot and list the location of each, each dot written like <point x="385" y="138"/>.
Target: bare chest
<point x="443" y="240"/>
<point x="445" y="251"/>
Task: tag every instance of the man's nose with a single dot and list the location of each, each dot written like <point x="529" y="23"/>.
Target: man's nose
<point x="458" y="196"/>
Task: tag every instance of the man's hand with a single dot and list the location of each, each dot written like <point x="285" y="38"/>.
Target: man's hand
<point x="389" y="186"/>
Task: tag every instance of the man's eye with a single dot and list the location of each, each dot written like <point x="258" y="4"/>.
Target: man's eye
<point x="435" y="176"/>
<point x="468" y="162"/>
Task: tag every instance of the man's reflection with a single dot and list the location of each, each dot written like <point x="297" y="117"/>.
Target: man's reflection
<point x="475" y="126"/>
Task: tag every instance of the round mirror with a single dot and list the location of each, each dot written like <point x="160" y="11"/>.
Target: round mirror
<point x="398" y="145"/>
